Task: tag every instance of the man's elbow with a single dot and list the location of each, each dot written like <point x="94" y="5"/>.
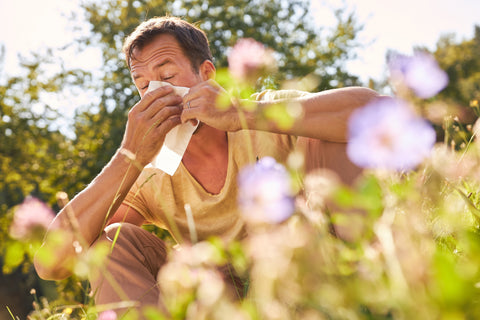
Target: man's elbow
<point x="50" y="269"/>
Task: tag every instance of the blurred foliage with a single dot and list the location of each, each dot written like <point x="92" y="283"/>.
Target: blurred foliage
<point x="35" y="159"/>
<point x="27" y="143"/>
<point x="284" y="26"/>
<point x="462" y="63"/>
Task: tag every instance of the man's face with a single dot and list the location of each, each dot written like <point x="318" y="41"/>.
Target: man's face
<point x="162" y="60"/>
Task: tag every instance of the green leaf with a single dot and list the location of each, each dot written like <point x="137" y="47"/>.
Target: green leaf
<point x="278" y="113"/>
<point x="449" y="286"/>
<point x="14" y="256"/>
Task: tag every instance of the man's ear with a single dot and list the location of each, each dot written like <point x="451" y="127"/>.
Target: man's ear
<point x="207" y="70"/>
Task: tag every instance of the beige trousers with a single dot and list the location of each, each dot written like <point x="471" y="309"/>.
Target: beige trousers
<point x="129" y="279"/>
<point x="130" y="274"/>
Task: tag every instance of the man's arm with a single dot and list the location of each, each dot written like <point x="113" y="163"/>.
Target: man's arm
<point x="324" y="115"/>
<point x="82" y="220"/>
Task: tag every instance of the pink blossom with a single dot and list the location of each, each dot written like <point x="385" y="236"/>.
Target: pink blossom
<point x="107" y="315"/>
<point x="31" y="216"/>
<point x="249" y="58"/>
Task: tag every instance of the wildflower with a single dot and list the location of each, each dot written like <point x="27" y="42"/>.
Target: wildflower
<point x="107" y="315"/>
<point x="420" y="73"/>
<point x="248" y="59"/>
<point x="31" y="218"/>
<point x="474" y="105"/>
<point x="387" y="134"/>
<point x="265" y="192"/>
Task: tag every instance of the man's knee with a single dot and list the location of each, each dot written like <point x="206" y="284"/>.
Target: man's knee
<point x="131" y="242"/>
<point x="125" y="231"/>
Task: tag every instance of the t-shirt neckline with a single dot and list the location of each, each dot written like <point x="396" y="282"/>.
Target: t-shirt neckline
<point x="227" y="178"/>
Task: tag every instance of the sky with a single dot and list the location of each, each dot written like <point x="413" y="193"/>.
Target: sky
<point x="29" y="25"/>
<point x="403" y="25"/>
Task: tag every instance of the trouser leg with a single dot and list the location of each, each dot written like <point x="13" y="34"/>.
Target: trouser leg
<point x="131" y="268"/>
<point x="236" y="286"/>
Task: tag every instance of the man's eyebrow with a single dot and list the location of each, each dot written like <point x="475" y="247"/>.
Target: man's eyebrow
<point x="162" y="63"/>
<point x="158" y="65"/>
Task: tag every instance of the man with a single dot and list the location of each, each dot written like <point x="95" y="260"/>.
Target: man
<point x="171" y="50"/>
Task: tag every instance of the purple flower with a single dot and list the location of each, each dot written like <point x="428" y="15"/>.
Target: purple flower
<point x="248" y="59"/>
<point x="31" y="217"/>
<point x="265" y="192"/>
<point x="387" y="134"/>
<point x="420" y="73"/>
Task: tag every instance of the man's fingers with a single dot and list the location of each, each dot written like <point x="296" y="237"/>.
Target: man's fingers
<point x="205" y="88"/>
<point x="161" y="103"/>
<point x="159" y="128"/>
<point x="191" y="110"/>
<point x="168" y="124"/>
<point x="151" y="96"/>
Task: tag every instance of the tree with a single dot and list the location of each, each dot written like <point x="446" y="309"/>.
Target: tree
<point x="462" y="64"/>
<point x="33" y="161"/>
<point x="284" y="26"/>
<point x="27" y="144"/>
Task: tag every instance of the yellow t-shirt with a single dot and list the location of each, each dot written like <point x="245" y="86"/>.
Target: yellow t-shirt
<point x="161" y="198"/>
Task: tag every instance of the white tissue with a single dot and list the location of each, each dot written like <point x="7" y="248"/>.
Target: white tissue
<point x="176" y="140"/>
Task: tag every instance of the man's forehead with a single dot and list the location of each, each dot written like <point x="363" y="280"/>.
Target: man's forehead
<point x="159" y="41"/>
<point x="160" y="46"/>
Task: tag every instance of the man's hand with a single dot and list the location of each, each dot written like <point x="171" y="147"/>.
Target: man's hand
<point x="149" y="121"/>
<point x="210" y="103"/>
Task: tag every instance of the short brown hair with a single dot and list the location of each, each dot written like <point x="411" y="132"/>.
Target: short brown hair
<point x="192" y="40"/>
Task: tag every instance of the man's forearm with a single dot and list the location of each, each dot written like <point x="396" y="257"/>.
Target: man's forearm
<point x="85" y="216"/>
<point x="323" y="115"/>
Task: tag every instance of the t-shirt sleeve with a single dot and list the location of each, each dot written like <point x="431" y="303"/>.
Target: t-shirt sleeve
<point x="136" y="199"/>
<point x="273" y="95"/>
